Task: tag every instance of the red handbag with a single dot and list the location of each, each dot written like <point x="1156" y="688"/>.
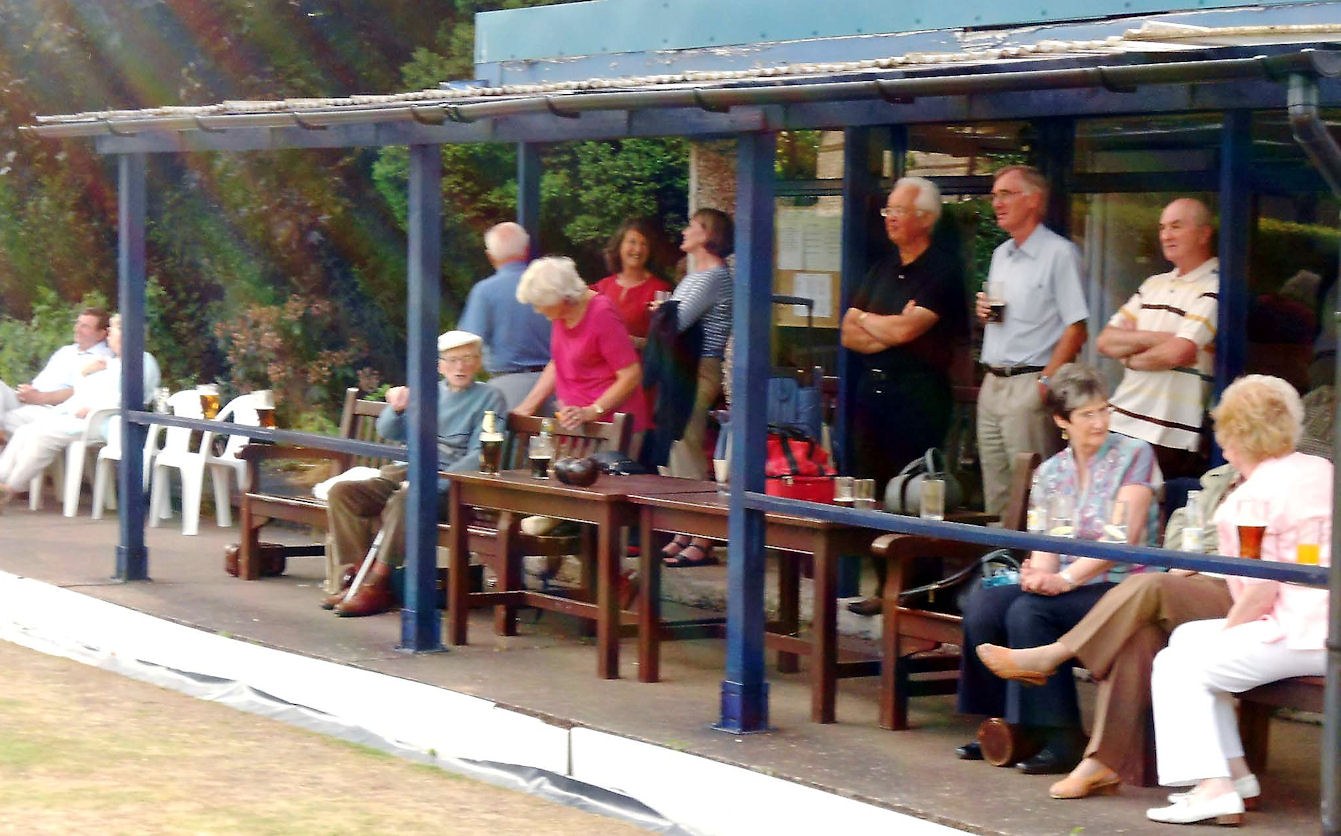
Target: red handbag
<point x="797" y="467"/>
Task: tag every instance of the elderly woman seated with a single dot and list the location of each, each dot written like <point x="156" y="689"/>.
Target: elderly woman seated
<point x="1093" y="474"/>
<point x="1273" y="630"/>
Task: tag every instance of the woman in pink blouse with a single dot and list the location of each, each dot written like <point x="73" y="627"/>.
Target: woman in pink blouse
<point x="1273" y="631"/>
<point x="593" y="369"/>
<point x="632" y="285"/>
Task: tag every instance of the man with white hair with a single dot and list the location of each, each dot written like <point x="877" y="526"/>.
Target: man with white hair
<point x="33" y="401"/>
<point x="516" y="338"/>
<point x="1165" y="338"/>
<point x="353" y="507"/>
<point x="907" y="320"/>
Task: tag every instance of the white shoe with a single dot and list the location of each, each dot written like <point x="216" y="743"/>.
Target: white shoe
<point x="1247" y="788"/>
<point x="1225" y="809"/>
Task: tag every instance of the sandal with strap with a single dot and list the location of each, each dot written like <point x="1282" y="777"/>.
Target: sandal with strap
<point x="677" y="544"/>
<point x="691" y="555"/>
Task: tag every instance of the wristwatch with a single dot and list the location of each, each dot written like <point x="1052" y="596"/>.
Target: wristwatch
<point x="600" y="410"/>
<point x="1065" y="575"/>
<point x="1045" y="380"/>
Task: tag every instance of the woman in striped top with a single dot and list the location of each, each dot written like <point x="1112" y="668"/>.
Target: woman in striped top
<point x="704" y="297"/>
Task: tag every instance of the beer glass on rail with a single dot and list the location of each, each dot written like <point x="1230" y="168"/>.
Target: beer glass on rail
<point x="1250" y="518"/>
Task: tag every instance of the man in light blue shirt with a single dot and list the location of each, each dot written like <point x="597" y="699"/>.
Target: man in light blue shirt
<point x="1039" y="275"/>
<point x="516" y="338"/>
<point x="29" y="402"/>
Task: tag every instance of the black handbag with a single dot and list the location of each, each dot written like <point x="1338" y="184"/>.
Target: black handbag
<point x="951" y="595"/>
<point x="903" y="494"/>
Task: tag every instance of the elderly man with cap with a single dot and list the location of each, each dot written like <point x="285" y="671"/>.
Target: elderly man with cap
<point x="354" y="507"/>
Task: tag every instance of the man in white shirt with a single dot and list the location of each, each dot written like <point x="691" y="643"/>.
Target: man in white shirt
<point x="1165" y="337"/>
<point x="1042" y="283"/>
<point x="36" y="444"/>
<point x="55" y="383"/>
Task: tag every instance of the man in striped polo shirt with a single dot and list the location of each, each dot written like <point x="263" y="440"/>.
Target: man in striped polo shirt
<point x="1165" y="337"/>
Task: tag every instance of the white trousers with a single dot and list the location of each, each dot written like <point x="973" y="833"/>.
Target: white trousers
<point x="1192" y="684"/>
<point x="33" y="446"/>
<point x="14" y="414"/>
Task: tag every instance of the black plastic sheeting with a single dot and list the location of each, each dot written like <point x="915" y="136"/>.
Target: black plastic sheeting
<point x="540" y="783"/>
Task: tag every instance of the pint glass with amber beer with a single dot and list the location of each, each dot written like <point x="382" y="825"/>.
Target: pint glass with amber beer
<point x="1252" y="525"/>
<point x="209" y="400"/>
<point x="264" y="401"/>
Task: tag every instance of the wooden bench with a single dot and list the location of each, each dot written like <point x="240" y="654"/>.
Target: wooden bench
<point x="358" y="421"/>
<point x="907" y="633"/>
<point x="1301" y="693"/>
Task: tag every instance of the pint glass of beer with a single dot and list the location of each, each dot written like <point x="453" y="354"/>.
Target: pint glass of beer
<point x="264" y="401"/>
<point x="1310" y="536"/>
<point x="540" y="451"/>
<point x="209" y="399"/>
<point x="1251" y="521"/>
<point x="996" y="301"/>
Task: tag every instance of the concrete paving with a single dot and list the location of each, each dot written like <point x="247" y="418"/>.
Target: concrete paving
<point x="549" y="671"/>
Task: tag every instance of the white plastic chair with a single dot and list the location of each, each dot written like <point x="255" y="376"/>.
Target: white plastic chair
<point x="191" y="464"/>
<point x="108" y="458"/>
<point x="67" y="475"/>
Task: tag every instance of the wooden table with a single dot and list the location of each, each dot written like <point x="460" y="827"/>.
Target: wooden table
<point x="604" y="505"/>
<point x="704" y="514"/>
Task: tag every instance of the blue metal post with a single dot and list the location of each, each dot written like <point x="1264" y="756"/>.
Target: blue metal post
<point x="132" y="558"/>
<point x="528" y="192"/>
<point x="420" y="624"/>
<point x="1236" y="214"/>
<point x="744" y="690"/>
<point x="861" y="197"/>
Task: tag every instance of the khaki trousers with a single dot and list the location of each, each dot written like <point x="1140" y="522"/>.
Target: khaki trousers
<point x="1011" y="420"/>
<point x="687" y="459"/>
<point x="353" y="509"/>
<point x="1117" y="641"/>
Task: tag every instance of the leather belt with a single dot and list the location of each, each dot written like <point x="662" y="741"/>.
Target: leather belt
<point x="1011" y="371"/>
<point x="523" y="370"/>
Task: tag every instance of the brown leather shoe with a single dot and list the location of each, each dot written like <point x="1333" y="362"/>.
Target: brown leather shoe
<point x="346" y="580"/>
<point x="867" y="606"/>
<point x="373" y="596"/>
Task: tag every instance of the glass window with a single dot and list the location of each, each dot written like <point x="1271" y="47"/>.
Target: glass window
<point x="1148" y="143"/>
<point x="960" y="150"/>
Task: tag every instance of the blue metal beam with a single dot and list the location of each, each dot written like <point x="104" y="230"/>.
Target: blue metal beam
<point x="420" y="624"/>
<point x="744" y="705"/>
<point x="528" y="192"/>
<point x="132" y="558"/>
<point x="1236" y="213"/>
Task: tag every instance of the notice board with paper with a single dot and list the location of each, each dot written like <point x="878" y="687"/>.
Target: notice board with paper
<point x="809" y="261"/>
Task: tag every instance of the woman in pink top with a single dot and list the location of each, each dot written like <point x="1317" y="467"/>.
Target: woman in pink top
<point x="593" y="369"/>
<point x="1274" y="630"/>
<point x="632" y="285"/>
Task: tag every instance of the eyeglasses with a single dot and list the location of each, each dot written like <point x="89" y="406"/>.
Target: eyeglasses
<point x="898" y="212"/>
<point x="460" y="360"/>
<point x="1005" y="194"/>
<point x="1090" y="416"/>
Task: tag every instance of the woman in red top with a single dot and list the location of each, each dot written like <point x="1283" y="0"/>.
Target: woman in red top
<point x="632" y="286"/>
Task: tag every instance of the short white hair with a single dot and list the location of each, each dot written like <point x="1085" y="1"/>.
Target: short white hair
<point x="507" y="241"/>
<point x="928" y="200"/>
<point x="550" y="281"/>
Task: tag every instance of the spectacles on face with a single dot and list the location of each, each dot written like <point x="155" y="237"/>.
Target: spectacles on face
<point x="1093" y="415"/>
<point x="1005" y="194"/>
<point x="898" y="212"/>
<point x="462" y="360"/>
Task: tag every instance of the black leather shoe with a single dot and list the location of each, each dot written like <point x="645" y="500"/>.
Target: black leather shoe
<point x="1049" y="762"/>
<point x="970" y="751"/>
<point x="867" y="606"/>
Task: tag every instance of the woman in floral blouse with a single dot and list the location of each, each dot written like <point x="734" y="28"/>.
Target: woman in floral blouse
<point x="1096" y="471"/>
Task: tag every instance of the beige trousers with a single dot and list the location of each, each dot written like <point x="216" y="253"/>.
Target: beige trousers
<point x="687" y="459"/>
<point x="1011" y="420"/>
<point x="1117" y="641"/>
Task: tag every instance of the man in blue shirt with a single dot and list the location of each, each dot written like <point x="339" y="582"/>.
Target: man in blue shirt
<point x="1041" y="280"/>
<point x="516" y="338"/>
<point x="354" y="507"/>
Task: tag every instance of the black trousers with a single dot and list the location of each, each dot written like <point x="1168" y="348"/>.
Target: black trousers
<point x="896" y="417"/>
<point x="1011" y="617"/>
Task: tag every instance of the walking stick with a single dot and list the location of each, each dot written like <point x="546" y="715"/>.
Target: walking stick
<point x="365" y="567"/>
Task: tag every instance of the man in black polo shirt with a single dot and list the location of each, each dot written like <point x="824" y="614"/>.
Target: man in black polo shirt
<point x="907" y="319"/>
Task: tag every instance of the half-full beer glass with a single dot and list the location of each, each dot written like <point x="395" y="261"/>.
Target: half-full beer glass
<point x="264" y="401"/>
